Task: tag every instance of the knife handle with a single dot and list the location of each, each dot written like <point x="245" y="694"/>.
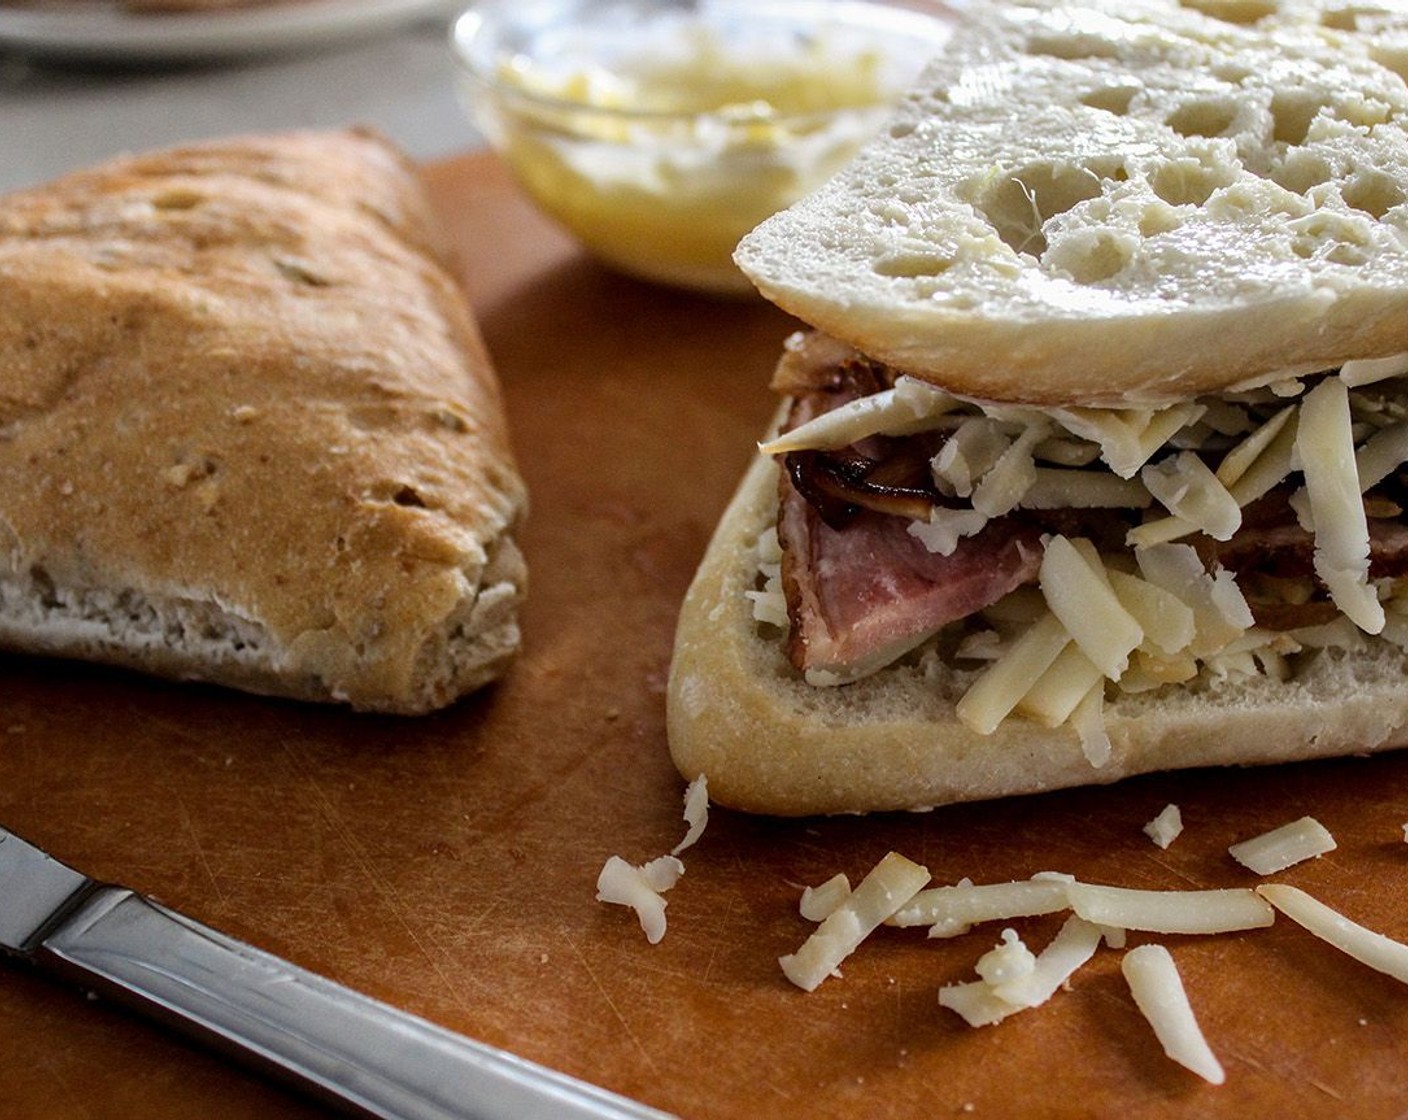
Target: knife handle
<point x="350" y="1050"/>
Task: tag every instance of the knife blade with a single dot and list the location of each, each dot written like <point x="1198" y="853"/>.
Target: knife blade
<point x="348" y="1049"/>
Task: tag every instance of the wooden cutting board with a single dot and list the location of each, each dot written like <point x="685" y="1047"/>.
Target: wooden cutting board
<point x="447" y="865"/>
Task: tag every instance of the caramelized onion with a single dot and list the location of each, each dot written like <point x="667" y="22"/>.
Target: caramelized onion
<point x="841" y="484"/>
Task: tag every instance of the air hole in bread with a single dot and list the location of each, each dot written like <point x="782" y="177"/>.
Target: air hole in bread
<point x="1090" y="256"/>
<point x="1233" y="73"/>
<point x="911" y="265"/>
<point x="1392" y="55"/>
<point x="1186" y="182"/>
<point x="1111" y="99"/>
<point x="1374" y="193"/>
<point x="1240" y="12"/>
<point x="407" y="496"/>
<point x="43" y="587"/>
<point x="1334" y="237"/>
<point x="1291" y="115"/>
<point x="1072" y="47"/>
<point x="1340" y="19"/>
<point x="1020" y="204"/>
<point x="301" y="272"/>
<point x="1203" y="118"/>
<point x="178" y="198"/>
<point x="1302" y="170"/>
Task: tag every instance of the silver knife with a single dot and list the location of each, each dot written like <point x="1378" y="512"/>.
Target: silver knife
<point x="346" y="1048"/>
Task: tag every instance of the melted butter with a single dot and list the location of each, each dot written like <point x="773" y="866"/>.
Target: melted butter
<point x="661" y="164"/>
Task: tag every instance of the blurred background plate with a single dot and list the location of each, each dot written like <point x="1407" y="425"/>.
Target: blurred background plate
<point x="99" y="31"/>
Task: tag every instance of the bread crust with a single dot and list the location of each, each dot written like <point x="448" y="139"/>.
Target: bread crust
<point x="250" y="432"/>
<point x="770" y="743"/>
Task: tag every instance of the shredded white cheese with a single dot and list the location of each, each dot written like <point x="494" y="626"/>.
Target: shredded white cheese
<point x="888" y="886"/>
<point x="1165" y="828"/>
<point x="1283" y="847"/>
<point x="1366" y="371"/>
<point x="963" y="905"/>
<point x="1159" y="994"/>
<point x="981" y="1003"/>
<point x="1212" y="911"/>
<point x="911" y="406"/>
<point x="1191" y="492"/>
<point x="1009" y="961"/>
<point x="993" y="695"/>
<point x="1082" y="599"/>
<point x="818" y="903"/>
<point x="1325" y="449"/>
<point x="641" y="888"/>
<point x="1367" y="947"/>
<point x="696" y="812"/>
<point x="1171" y="621"/>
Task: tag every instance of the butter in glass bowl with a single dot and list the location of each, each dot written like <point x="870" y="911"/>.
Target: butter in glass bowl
<point x="659" y="133"/>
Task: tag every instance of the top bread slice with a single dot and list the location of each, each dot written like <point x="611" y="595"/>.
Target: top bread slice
<point x="1117" y="203"/>
<point x="248" y="430"/>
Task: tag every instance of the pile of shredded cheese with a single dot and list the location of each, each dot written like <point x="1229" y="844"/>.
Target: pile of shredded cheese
<point x="1010" y="977"/>
<point x="1149" y="615"/>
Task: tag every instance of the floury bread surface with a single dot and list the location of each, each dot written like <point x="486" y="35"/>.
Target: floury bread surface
<point x="1113" y="203"/>
<point x="770" y="743"/>
<point x="250" y="433"/>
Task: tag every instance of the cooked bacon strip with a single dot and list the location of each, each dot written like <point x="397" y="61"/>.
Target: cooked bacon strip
<point x="861" y="596"/>
<point x="1286" y="549"/>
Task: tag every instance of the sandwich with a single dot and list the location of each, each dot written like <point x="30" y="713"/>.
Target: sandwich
<point x="249" y="433"/>
<point x="1090" y="459"/>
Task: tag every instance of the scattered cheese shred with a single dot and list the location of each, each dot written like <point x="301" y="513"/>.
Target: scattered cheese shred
<point x="889" y="885"/>
<point x="818" y="903"/>
<point x="696" y="813"/>
<point x="1283" y="847"/>
<point x="1164" y="829"/>
<point x="641" y="888"/>
<point x="1367" y="947"/>
<point x="955" y="908"/>
<point x="981" y="1003"/>
<point x="1214" y="911"/>
<point x="1069" y="949"/>
<point x="1158" y="992"/>
<point x="1009" y="961"/>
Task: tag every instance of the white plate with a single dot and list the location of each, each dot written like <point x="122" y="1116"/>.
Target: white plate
<point x="99" y="31"/>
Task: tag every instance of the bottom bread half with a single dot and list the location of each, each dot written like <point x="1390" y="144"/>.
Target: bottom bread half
<point x="770" y="743"/>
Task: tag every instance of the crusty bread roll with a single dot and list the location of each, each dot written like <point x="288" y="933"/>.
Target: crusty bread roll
<point x="250" y="432"/>
<point x="1130" y="202"/>
<point x="771" y="743"/>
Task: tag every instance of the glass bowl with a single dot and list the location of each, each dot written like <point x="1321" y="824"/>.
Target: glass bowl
<point x="660" y="132"/>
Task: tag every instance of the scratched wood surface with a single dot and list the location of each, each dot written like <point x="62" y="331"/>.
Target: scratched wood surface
<point x="447" y="865"/>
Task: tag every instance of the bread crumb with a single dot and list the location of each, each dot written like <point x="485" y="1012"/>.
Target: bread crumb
<point x="243" y="413"/>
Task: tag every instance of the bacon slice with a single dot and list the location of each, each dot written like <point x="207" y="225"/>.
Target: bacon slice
<point x="861" y="596"/>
